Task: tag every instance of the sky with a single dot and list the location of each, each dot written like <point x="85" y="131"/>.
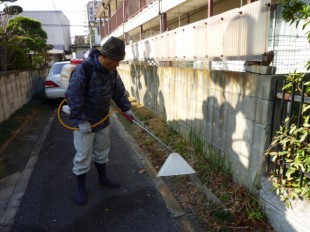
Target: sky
<point x="73" y="9"/>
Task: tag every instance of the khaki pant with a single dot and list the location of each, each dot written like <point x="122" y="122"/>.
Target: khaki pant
<point x="90" y="147"/>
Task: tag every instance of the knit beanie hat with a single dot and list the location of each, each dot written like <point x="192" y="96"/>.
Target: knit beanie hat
<point x="114" y="48"/>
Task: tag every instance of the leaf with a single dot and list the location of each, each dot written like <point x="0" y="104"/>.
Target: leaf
<point x="289" y="160"/>
<point x="306" y="108"/>
<point x="303" y="137"/>
<point x="298" y="190"/>
<point x="283" y="153"/>
<point x="302" y="168"/>
<point x="287" y="86"/>
<point x="289" y="172"/>
<point x="293" y="128"/>
<point x="274" y="158"/>
<point x="287" y="203"/>
<point x="274" y="142"/>
<point x="272" y="153"/>
<point x="284" y="141"/>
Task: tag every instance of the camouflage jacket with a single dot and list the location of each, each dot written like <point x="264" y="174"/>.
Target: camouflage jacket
<point x="89" y="98"/>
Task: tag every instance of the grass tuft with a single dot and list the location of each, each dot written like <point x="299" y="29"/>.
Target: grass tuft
<point x="243" y="211"/>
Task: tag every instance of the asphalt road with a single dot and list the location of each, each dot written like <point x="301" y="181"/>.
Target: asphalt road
<point x="39" y="193"/>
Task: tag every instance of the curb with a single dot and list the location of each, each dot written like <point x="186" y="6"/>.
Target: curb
<point x="171" y="203"/>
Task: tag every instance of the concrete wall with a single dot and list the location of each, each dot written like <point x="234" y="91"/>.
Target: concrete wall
<point x="17" y="88"/>
<point x="230" y="110"/>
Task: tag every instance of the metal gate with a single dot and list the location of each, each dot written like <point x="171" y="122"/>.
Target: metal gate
<point x="289" y="115"/>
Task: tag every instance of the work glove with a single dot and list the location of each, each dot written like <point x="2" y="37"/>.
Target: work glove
<point x="85" y="127"/>
<point x="130" y="115"/>
<point x="66" y="109"/>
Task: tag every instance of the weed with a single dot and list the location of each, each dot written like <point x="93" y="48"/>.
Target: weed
<point x="212" y="168"/>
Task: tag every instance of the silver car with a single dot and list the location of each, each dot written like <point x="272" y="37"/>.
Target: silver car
<point x="54" y="86"/>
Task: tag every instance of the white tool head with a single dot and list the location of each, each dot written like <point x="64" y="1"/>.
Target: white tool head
<point x="175" y="165"/>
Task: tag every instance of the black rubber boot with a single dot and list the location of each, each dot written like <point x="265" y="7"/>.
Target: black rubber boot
<point x="81" y="197"/>
<point x="103" y="179"/>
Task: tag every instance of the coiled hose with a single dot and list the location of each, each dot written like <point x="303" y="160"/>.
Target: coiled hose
<point x="94" y="125"/>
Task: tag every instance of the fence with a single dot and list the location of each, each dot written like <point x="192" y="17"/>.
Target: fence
<point x="223" y="37"/>
<point x="289" y="43"/>
<point x="127" y="10"/>
<point x="222" y="42"/>
<point x="287" y="117"/>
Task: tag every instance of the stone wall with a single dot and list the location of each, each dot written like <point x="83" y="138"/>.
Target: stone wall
<point x="17" y="88"/>
<point x="229" y="110"/>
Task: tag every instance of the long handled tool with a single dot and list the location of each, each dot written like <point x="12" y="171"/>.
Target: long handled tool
<point x="158" y="140"/>
<point x="174" y="164"/>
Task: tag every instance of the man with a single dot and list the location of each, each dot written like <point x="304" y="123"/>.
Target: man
<point x="91" y="87"/>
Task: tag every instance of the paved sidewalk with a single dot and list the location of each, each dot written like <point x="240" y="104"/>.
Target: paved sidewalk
<point x="40" y="195"/>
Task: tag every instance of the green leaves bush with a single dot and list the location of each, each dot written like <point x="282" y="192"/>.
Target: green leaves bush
<point x="290" y="148"/>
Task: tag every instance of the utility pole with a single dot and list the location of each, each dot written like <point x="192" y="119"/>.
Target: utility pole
<point x="90" y="32"/>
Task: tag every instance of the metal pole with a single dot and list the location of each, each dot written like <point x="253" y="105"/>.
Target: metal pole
<point x="90" y="38"/>
<point x="161" y="142"/>
<point x="138" y="124"/>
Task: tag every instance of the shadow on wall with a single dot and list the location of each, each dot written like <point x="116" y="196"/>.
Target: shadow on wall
<point x="229" y="109"/>
<point x="228" y="113"/>
<point x="145" y="81"/>
<point x="239" y="27"/>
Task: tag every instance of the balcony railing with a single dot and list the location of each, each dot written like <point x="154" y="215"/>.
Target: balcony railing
<point x="239" y="34"/>
<point x="224" y="41"/>
<point x="127" y="10"/>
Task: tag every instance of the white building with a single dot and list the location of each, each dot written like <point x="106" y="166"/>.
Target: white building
<point x="57" y="27"/>
<point x="93" y="38"/>
<point x="93" y="22"/>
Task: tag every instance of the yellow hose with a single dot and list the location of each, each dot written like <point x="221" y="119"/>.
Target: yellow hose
<point x="75" y="128"/>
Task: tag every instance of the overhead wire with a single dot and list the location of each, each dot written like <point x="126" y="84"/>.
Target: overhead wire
<point x="60" y="21"/>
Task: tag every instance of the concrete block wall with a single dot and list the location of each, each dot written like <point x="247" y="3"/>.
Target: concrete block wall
<point x="17" y="89"/>
<point x="230" y="110"/>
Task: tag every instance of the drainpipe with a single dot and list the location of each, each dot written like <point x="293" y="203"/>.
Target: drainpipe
<point x="163" y="18"/>
<point x="179" y="18"/>
<point x="141" y="32"/>
<point x="163" y="22"/>
<point x="275" y="9"/>
<point x="124" y="34"/>
<point x="210" y="8"/>
<point x="90" y="36"/>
